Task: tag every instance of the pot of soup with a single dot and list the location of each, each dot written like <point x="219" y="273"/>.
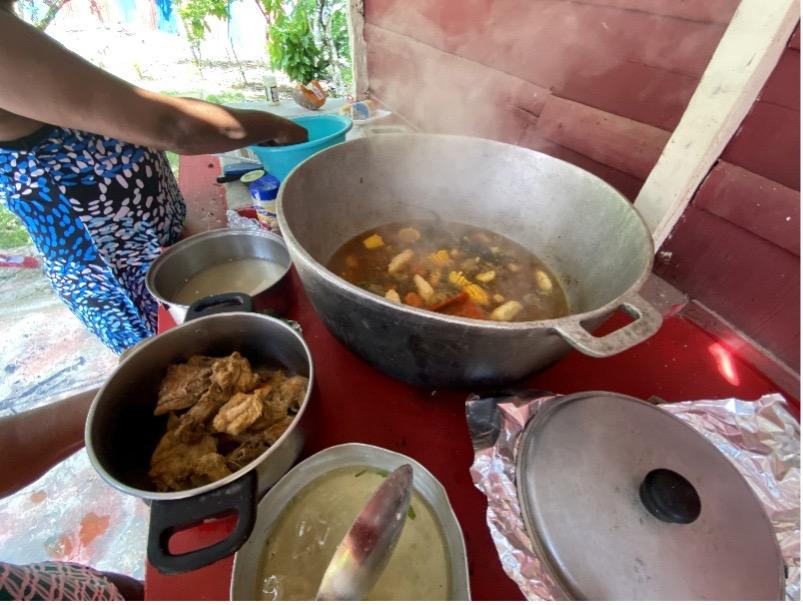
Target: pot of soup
<point x="457" y="261"/>
<point x="219" y="262"/>
<point x="199" y="422"/>
<point x="303" y="519"/>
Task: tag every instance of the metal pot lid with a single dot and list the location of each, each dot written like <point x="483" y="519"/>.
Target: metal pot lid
<point x="626" y="502"/>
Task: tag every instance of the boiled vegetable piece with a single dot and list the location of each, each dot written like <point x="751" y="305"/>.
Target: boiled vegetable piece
<point x="408" y="235"/>
<point x="506" y="311"/>
<point x="486" y="276"/>
<point x="400" y="261"/>
<point x="393" y="296"/>
<point x="413" y="299"/>
<point x="477" y="294"/>
<point x="542" y="281"/>
<point x="425" y="291"/>
<point x="440" y="258"/>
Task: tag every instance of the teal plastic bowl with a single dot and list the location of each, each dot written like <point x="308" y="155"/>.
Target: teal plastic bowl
<point x="324" y="131"/>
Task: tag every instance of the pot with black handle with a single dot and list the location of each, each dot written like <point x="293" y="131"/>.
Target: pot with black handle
<point x="122" y="431"/>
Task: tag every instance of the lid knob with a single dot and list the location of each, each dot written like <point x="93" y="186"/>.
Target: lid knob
<point x="670" y="497"/>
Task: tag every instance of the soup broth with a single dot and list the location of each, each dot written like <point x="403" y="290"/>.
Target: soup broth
<point x="451" y="268"/>
<point x="247" y="275"/>
<point x="304" y="539"/>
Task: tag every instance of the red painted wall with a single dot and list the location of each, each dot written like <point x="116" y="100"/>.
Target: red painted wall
<point x="599" y="83"/>
<point x="737" y="247"/>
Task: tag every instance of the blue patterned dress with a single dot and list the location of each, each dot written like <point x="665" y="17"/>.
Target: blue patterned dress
<point x="98" y="210"/>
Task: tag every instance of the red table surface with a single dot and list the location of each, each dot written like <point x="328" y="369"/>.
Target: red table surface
<point x="353" y="402"/>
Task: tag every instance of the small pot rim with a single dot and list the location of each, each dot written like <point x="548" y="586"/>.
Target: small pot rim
<point x="143" y="350"/>
<point x="406" y="310"/>
<point x="187" y="243"/>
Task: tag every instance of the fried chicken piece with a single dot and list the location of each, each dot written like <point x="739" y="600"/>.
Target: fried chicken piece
<point x="234" y="374"/>
<point x="182" y="387"/>
<point x="238" y="413"/>
<point x="176" y="465"/>
<point x="192" y="425"/>
<point x="254" y="445"/>
<point x="284" y="397"/>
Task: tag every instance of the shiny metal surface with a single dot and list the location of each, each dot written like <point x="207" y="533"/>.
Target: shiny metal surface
<point x="122" y="432"/>
<point x="585" y="231"/>
<point x="365" y="550"/>
<point x="177" y="264"/>
<point x="580" y="469"/>
<point x="246" y="576"/>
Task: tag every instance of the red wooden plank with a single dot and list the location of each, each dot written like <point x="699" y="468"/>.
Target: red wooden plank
<point x="205" y="199"/>
<point x="439" y="92"/>
<point x="628" y="185"/>
<point x="763" y="207"/>
<point x="624" y="144"/>
<point x="530" y="39"/>
<point x="753" y="284"/>
<point x="794" y="41"/>
<point x="768" y="143"/>
<point x="783" y="85"/>
<point x="717" y="11"/>
<point x="626" y="62"/>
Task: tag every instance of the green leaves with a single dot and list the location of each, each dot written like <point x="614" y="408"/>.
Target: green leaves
<point x="195" y="12"/>
<point x="293" y="48"/>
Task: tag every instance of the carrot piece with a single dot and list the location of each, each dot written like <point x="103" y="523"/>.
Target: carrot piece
<point x="413" y="299"/>
<point x="466" y="308"/>
<point x="462" y="296"/>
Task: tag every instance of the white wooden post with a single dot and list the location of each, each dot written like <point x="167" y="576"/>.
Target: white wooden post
<point x="359" y="86"/>
<point x="744" y="59"/>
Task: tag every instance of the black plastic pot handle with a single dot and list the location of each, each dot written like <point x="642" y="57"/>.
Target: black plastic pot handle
<point x="220" y="303"/>
<point x="171" y="516"/>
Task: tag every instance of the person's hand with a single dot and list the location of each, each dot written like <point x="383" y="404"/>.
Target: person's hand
<point x="288" y="133"/>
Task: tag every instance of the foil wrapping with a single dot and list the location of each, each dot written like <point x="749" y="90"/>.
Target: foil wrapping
<point x="761" y="438"/>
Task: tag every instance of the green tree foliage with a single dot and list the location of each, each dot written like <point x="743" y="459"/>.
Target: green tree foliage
<point x="293" y="48"/>
<point x="194" y="14"/>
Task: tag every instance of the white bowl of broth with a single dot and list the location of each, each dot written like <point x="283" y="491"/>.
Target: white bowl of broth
<point x="301" y="521"/>
<point x="221" y="262"/>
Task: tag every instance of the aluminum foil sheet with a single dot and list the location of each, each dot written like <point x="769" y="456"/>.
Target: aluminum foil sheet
<point x="761" y="438"/>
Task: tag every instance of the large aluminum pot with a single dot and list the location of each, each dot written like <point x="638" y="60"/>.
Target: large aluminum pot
<point x="586" y="232"/>
<point x="176" y="265"/>
<point x="246" y="579"/>
<point x="122" y="432"/>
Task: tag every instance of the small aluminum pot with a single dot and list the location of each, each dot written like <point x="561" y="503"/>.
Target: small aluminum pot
<point x="122" y="432"/>
<point x="245" y="580"/>
<point x="177" y="264"/>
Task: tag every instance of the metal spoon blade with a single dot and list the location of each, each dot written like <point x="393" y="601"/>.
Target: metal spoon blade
<point x="364" y="552"/>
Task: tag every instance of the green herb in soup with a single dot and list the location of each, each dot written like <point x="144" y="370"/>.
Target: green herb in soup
<point x="301" y="543"/>
<point x="451" y="268"/>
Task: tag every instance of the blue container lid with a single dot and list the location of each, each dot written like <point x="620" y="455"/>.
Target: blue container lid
<point x="265" y="188"/>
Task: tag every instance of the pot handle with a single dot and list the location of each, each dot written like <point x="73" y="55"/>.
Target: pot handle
<point x="646" y="322"/>
<point x="170" y="516"/>
<point x="220" y="303"/>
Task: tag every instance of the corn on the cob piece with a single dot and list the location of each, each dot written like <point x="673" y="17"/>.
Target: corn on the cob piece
<point x="424" y="289"/>
<point x="486" y="276"/>
<point x="506" y="311"/>
<point x="373" y="241"/>
<point x="440" y="258"/>
<point x="477" y="294"/>
<point x="458" y="279"/>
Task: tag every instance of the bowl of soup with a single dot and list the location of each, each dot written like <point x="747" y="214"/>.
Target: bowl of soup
<point x="220" y="262"/>
<point x="450" y="261"/>
<point x="301" y="521"/>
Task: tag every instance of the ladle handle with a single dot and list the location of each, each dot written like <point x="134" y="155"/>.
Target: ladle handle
<point x="646" y="321"/>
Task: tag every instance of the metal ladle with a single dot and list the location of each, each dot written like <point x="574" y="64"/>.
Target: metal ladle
<point x="362" y="555"/>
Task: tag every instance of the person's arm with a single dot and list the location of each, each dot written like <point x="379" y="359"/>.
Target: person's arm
<point x="43" y="81"/>
<point x="32" y="442"/>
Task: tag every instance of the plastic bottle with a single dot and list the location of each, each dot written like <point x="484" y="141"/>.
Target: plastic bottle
<point x="271" y="89"/>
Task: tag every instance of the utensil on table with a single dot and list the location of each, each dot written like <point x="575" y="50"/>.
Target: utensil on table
<point x="362" y="555"/>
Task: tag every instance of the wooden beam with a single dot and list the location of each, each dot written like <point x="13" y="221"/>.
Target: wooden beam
<point x="359" y="54"/>
<point x="744" y="59"/>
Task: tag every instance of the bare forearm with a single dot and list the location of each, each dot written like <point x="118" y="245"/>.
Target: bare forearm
<point x="33" y="442"/>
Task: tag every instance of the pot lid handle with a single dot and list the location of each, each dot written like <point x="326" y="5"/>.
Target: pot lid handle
<point x="646" y="321"/>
